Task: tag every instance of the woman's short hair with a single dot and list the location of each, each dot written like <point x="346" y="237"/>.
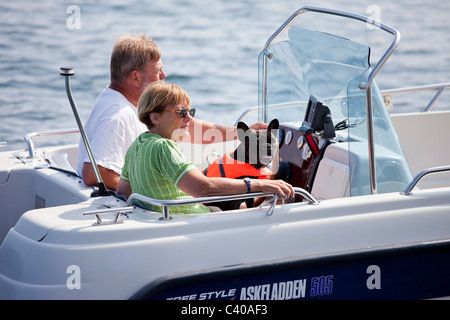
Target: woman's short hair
<point x="132" y="52"/>
<point x="156" y="97"/>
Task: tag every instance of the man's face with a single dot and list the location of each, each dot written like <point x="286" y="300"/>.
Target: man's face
<point x="152" y="72"/>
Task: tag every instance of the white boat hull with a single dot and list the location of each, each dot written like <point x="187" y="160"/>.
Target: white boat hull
<point x="66" y="257"/>
<point x="363" y="239"/>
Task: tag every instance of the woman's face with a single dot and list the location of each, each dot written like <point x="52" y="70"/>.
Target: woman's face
<point x="172" y="125"/>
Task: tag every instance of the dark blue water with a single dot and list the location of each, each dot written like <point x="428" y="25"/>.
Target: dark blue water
<point x="210" y="48"/>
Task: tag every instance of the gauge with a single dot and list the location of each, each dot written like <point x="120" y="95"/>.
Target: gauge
<point x="306" y="152"/>
<point x="288" y="137"/>
<point x="300" y="142"/>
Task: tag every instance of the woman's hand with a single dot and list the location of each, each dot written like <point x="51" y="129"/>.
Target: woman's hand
<point x="197" y="185"/>
<point x="279" y="187"/>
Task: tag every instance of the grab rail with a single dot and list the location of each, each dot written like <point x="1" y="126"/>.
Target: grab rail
<point x="441" y="87"/>
<point x="422" y="174"/>
<point x="166" y="204"/>
<point x="30" y="136"/>
<point x="98" y="212"/>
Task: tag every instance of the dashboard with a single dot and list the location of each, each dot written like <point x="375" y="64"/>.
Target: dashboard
<point x="302" y="147"/>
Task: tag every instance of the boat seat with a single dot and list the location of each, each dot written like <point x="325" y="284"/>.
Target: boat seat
<point x="63" y="159"/>
<point x="425" y="137"/>
<point x="332" y="179"/>
<point x="336" y="178"/>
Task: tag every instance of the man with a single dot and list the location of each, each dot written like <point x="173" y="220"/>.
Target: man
<point x="113" y="123"/>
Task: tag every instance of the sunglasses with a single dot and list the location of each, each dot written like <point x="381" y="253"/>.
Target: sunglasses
<point x="183" y="112"/>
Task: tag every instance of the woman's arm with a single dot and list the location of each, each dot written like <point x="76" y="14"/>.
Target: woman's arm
<point x="197" y="185"/>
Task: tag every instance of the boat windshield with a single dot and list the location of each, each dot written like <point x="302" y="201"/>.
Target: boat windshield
<point x="332" y="68"/>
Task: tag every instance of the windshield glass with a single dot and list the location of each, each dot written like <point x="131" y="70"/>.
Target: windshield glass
<point x="332" y="68"/>
<point x="311" y="62"/>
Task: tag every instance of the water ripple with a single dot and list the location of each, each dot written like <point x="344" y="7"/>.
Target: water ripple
<point x="209" y="47"/>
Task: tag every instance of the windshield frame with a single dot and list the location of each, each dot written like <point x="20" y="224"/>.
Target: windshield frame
<point x="367" y="85"/>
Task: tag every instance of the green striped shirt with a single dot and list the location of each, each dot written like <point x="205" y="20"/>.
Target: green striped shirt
<point x="154" y="166"/>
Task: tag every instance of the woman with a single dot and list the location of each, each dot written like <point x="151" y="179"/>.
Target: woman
<point x="156" y="167"/>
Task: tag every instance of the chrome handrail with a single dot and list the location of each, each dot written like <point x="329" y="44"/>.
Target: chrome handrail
<point x="166" y="204"/>
<point x="29" y="138"/>
<point x="363" y="86"/>
<point x="441" y="87"/>
<point x="422" y="174"/>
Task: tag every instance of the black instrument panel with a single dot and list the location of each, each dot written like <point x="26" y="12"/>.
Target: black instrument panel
<point x="296" y="157"/>
<point x="299" y="145"/>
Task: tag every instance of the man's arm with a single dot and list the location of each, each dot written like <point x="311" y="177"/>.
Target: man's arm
<point x="124" y="188"/>
<point x="110" y="177"/>
<point x="204" y="132"/>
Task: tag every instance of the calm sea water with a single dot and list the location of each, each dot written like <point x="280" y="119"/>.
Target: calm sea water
<point x="210" y="48"/>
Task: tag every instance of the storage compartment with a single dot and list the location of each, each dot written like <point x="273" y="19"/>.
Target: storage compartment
<point x="28" y="184"/>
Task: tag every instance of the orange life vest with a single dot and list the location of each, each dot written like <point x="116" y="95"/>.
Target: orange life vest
<point x="227" y="167"/>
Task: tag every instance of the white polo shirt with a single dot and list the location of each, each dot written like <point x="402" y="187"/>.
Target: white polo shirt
<point x="111" y="128"/>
